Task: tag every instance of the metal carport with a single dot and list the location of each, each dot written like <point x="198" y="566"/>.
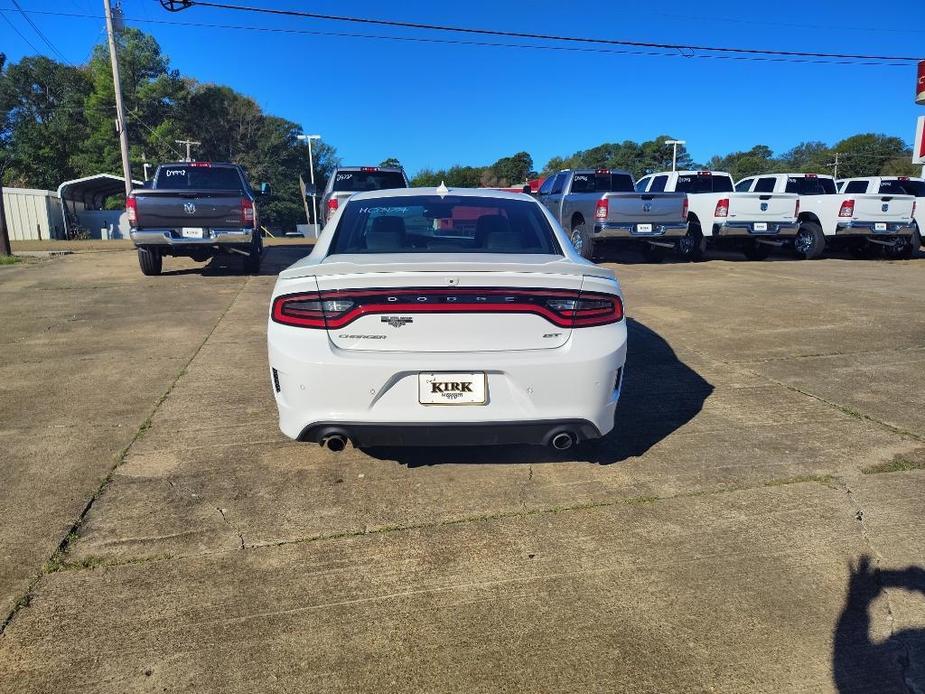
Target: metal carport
<point x="86" y="197"/>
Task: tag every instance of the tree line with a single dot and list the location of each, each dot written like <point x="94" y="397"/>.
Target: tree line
<point x="58" y="124"/>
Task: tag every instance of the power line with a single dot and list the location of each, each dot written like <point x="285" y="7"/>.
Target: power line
<point x="41" y="35"/>
<point x="492" y="44"/>
<point x="21" y="35"/>
<point x="183" y="4"/>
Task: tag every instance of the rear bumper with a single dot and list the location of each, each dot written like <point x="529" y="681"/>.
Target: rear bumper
<point x="318" y="386"/>
<point x="620" y="230"/>
<point x="855" y="228"/>
<point x="365" y="435"/>
<point x="747" y="229"/>
<point x="212" y="238"/>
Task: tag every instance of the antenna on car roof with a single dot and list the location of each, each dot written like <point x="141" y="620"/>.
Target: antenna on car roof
<point x="442" y="189"/>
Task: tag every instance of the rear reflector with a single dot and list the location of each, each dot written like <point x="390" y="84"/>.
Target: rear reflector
<point x="601" y="209"/>
<point x="847" y="209"/>
<point x="131" y="209"/>
<point x="333" y="310"/>
<point x="722" y="208"/>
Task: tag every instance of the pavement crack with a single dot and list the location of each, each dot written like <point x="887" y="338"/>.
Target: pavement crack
<point x="222" y="512"/>
<point x="57" y="558"/>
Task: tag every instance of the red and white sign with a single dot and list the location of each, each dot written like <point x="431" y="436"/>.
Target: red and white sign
<point x="920" y="85"/>
<point x="918" y="151"/>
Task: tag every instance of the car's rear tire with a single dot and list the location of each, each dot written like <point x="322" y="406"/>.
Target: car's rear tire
<point x="693" y="246"/>
<point x="903" y="248"/>
<point x="252" y="261"/>
<point x="582" y="241"/>
<point x="809" y="243"/>
<point x="757" y="251"/>
<point x="150" y="261"/>
<point x="654" y="254"/>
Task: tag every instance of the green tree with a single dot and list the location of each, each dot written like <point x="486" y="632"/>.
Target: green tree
<point x="759" y="159"/>
<point x="808" y="157"/>
<point x="43" y="123"/>
<point x="391" y="162"/>
<point x="869" y="154"/>
<point x="509" y="171"/>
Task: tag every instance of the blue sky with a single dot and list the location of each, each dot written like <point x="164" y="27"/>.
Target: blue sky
<point x="434" y="105"/>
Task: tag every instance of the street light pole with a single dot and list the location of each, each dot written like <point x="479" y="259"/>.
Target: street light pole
<point x="120" y="108"/>
<point x="674" y="151"/>
<point x="311" y="172"/>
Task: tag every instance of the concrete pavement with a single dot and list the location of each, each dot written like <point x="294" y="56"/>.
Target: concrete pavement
<point x="715" y="542"/>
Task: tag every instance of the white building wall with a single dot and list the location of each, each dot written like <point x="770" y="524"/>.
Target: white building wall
<point x="33" y="214"/>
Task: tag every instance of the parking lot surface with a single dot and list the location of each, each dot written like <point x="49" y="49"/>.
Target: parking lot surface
<point x="754" y="523"/>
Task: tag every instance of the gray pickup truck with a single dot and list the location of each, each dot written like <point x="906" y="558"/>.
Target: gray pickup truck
<point x="601" y="205"/>
<point x="347" y="180"/>
<point x="198" y="210"/>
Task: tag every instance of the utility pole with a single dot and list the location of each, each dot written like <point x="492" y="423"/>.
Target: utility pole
<point x="188" y="144"/>
<point x="5" y="248"/>
<point x="311" y="170"/>
<point x="120" y="108"/>
<point x="835" y="171"/>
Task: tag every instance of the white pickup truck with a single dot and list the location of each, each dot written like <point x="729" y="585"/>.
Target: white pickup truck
<point x="607" y="199"/>
<point x="859" y="222"/>
<point x="753" y="222"/>
<point x="907" y="242"/>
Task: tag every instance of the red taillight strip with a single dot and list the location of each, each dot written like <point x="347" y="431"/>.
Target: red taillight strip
<point x="519" y="304"/>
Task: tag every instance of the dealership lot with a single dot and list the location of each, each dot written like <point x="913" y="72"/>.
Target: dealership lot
<point x="712" y="543"/>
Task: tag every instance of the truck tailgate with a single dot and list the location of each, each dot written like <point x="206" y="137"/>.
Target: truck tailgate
<point x="170" y="209"/>
<point x="882" y="208"/>
<point x="645" y="207"/>
<point x="762" y="206"/>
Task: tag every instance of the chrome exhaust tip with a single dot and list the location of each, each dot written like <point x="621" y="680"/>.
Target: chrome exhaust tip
<point x="562" y="441"/>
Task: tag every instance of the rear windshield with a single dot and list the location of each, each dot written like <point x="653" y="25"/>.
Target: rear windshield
<point x="602" y="183"/>
<point x="807" y="185"/>
<point x="198" y="178"/>
<point x="355" y="181"/>
<point x="916" y="188"/>
<point x="696" y="183"/>
<point x="450" y="224"/>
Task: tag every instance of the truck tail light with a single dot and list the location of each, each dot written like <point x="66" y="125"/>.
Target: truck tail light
<point x="247" y="212"/>
<point x="131" y="209"/>
<point x="796" y="208"/>
<point x="332" y="207"/>
<point x="685" y="208"/>
<point x="335" y="309"/>
<point x="913" y="208"/>
<point x="722" y="208"/>
<point x="847" y="209"/>
<point x="601" y="209"/>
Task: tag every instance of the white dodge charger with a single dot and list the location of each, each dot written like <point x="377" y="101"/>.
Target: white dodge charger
<point x="435" y="316"/>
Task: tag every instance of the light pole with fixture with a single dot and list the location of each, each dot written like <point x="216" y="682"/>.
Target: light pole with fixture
<point x="674" y="151"/>
<point x="311" y="171"/>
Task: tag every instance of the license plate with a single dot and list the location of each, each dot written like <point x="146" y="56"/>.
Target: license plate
<point x="761" y="226"/>
<point x="879" y="226"/>
<point x="191" y="232"/>
<point x="452" y="388"/>
<point x="644" y="228"/>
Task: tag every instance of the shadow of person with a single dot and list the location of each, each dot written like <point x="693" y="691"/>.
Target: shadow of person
<point x="858" y="664"/>
<point x="660" y="394"/>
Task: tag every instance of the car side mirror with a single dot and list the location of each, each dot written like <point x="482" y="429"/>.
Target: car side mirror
<point x="265" y="189"/>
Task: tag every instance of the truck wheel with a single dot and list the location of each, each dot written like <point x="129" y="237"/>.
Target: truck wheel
<point x="809" y="243"/>
<point x="252" y="262"/>
<point x="582" y="241"/>
<point x="757" y="251"/>
<point x="654" y="254"/>
<point x="150" y="261"/>
<point x="693" y="246"/>
<point x="903" y="248"/>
